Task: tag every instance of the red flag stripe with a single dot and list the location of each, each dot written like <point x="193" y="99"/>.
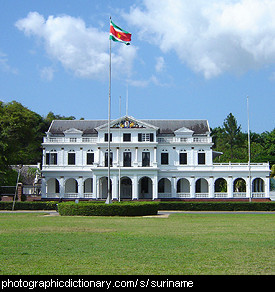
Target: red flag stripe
<point x="126" y="37"/>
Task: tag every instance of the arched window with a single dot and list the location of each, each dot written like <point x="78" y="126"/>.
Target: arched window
<point x="71" y="157"/>
<point x="201" y="157"/>
<point x="106" y="158"/>
<point x="90" y="157"/>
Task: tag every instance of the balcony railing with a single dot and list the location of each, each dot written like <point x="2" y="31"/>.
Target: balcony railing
<point x="70" y="195"/>
<point x="217" y="195"/>
<point x="70" y="140"/>
<point x="168" y="140"/>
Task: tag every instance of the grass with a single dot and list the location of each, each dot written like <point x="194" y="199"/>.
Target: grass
<point x="181" y="244"/>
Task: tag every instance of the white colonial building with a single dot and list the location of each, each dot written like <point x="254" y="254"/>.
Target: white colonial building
<point x="149" y="159"/>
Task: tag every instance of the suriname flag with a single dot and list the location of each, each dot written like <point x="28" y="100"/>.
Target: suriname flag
<point x="117" y="34"/>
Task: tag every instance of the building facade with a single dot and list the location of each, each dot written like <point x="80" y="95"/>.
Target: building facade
<point x="149" y="159"/>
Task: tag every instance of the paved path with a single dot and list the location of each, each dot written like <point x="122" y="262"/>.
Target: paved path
<point x="167" y="213"/>
<point x="48" y="212"/>
<point x="216" y="212"/>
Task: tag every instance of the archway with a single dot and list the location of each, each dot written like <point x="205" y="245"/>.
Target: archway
<point x="202" y="187"/>
<point x="183" y="186"/>
<point x="164" y="188"/>
<point x="103" y="187"/>
<point x="239" y="185"/>
<point x="220" y="185"/>
<point x="145" y="188"/>
<point x="53" y="187"/>
<point x="258" y="185"/>
<point x="71" y="186"/>
<point x="125" y="188"/>
<point x="88" y="187"/>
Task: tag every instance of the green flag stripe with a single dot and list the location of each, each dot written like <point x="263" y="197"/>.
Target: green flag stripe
<point x="118" y="28"/>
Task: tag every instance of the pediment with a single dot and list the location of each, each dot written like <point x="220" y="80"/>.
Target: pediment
<point x="127" y="122"/>
<point x="184" y="132"/>
<point x="73" y="131"/>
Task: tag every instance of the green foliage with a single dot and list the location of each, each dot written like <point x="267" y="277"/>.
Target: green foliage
<point x="21" y="135"/>
<point x="51" y="116"/>
<point x="102" y="209"/>
<point x="231" y="132"/>
<point x="22" y="131"/>
<point x="218" y="206"/>
<point x="234" y="144"/>
<point x="28" y="205"/>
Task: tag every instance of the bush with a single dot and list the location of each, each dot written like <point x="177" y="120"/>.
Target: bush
<point x="28" y="205"/>
<point x="102" y="209"/>
<point x="218" y="206"/>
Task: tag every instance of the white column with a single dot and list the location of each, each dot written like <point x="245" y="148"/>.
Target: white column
<point x="136" y="157"/>
<point x="61" y="187"/>
<point x="81" y="159"/>
<point x="248" y="187"/>
<point x="94" y="186"/>
<point x="192" y="187"/>
<point x="230" y="187"/>
<point x="267" y="186"/>
<point x="117" y="162"/>
<point x="115" y="182"/>
<point x="97" y="188"/>
<point x="155" y="188"/>
<point x="43" y="187"/>
<point x="174" y="187"/>
<point x="211" y="187"/>
<point x="135" y="188"/>
<point x="155" y="157"/>
<point x="80" y="187"/>
<point x="62" y="157"/>
<point x="98" y="156"/>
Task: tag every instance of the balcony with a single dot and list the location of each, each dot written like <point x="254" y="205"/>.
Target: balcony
<point x="193" y="140"/>
<point x="240" y="166"/>
<point x="63" y="140"/>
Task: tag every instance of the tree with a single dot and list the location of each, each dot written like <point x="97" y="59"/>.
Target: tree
<point x="21" y="134"/>
<point x="232" y="132"/>
<point x="51" y="116"/>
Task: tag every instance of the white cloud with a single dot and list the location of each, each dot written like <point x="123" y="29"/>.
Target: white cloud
<point x="47" y="73"/>
<point x="160" y="64"/>
<point x="211" y="37"/>
<point x="83" y="50"/>
<point x="4" y="64"/>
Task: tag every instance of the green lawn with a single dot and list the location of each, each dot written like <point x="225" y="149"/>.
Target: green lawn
<point x="181" y="244"/>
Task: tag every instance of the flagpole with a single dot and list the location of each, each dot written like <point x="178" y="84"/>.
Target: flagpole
<point x="127" y="101"/>
<point x="109" y="197"/>
<point x="119" y="169"/>
<point x="249" y="152"/>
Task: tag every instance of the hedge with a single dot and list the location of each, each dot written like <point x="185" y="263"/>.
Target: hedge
<point x="28" y="205"/>
<point x="218" y="206"/>
<point x="114" y="209"/>
<point x="136" y="208"/>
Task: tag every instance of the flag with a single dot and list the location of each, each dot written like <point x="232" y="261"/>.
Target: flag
<point x="117" y="34"/>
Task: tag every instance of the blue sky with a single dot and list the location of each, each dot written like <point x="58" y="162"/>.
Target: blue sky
<point x="187" y="60"/>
